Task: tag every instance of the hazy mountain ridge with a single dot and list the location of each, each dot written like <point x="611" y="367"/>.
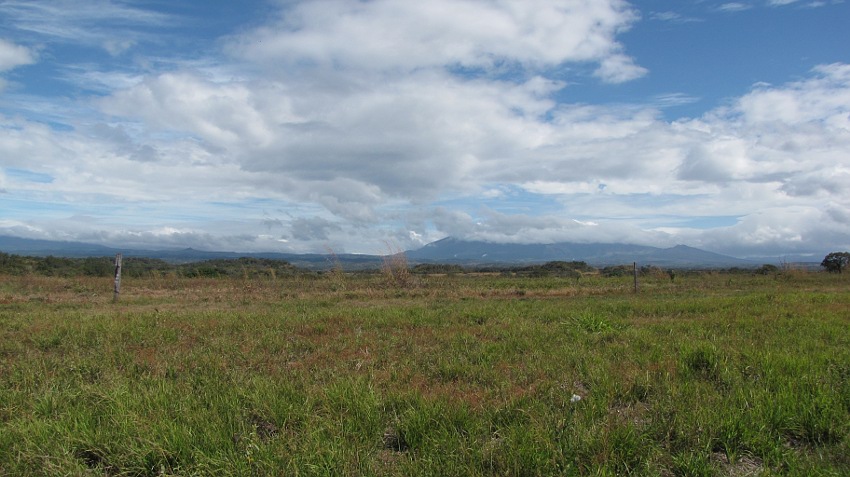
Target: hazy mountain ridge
<point x="462" y="251"/>
<point x="37" y="247"/>
<point x="448" y="250"/>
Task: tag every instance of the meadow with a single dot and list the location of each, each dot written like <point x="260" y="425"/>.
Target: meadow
<point x="704" y="374"/>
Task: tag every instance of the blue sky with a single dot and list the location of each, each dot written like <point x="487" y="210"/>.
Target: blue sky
<point x="303" y="126"/>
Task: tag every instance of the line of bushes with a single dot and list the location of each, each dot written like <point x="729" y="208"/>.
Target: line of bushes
<point x="248" y="267"/>
<point x="144" y="267"/>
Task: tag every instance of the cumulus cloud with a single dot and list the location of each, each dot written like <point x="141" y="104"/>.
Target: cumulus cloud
<point x="414" y="142"/>
<point x="619" y="69"/>
<point x="12" y="55"/>
<point x="224" y="115"/>
<point x="722" y="160"/>
<point x="820" y="182"/>
<point x="823" y="99"/>
<point x="498" y="227"/>
<point x="312" y="228"/>
<point x="387" y="35"/>
<point x="411" y="137"/>
<point x="796" y="229"/>
<point x="776" y="147"/>
<point x="352" y="127"/>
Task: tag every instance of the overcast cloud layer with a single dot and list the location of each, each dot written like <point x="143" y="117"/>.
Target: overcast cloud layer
<point x="351" y="125"/>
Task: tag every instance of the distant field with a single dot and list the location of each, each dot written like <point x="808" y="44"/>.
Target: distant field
<point x="702" y="375"/>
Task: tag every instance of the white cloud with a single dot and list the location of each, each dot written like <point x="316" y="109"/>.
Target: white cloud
<point x="432" y="135"/>
<point x="796" y="229"/>
<point x="498" y="227"/>
<point x="823" y="100"/>
<point x="312" y="229"/>
<point x="99" y="23"/>
<point x="673" y="99"/>
<point x="778" y="148"/>
<point x="619" y="69"/>
<point x="403" y="36"/>
<point x="351" y="141"/>
<point x="673" y="17"/>
<point x="117" y="46"/>
<point x="826" y="183"/>
<point x="222" y="114"/>
<point x="734" y="7"/>
<point x="13" y="56"/>
<point x="721" y="160"/>
<point x="411" y="138"/>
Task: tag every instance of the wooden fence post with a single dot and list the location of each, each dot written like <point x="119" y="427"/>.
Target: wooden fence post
<point x="117" y="289"/>
<point x="634" y="264"/>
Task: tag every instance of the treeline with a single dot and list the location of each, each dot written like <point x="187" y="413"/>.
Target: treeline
<point x="144" y="267"/>
<point x="658" y="272"/>
<point x="549" y="269"/>
<point x="575" y="269"/>
<point x="248" y="267"/>
<point x="556" y="268"/>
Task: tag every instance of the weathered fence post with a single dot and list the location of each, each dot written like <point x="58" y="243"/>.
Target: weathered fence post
<point x="117" y="289"/>
<point x="634" y="264"/>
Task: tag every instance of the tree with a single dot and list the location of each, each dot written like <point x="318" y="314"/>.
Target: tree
<point x="767" y="269"/>
<point x="835" y="261"/>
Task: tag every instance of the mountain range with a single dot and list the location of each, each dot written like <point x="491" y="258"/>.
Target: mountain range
<point x="43" y="248"/>
<point x="447" y="250"/>
<point x="450" y="250"/>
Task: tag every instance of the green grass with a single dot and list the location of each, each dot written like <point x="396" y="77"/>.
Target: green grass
<point x="712" y="375"/>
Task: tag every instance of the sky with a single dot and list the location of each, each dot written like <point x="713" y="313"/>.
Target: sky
<point x="371" y="126"/>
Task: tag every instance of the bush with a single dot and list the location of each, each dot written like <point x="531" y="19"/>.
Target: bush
<point x="767" y="269"/>
<point x="617" y="271"/>
<point x="835" y="262"/>
<point x="426" y="268"/>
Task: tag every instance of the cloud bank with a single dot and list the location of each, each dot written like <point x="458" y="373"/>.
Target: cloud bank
<point x="350" y="124"/>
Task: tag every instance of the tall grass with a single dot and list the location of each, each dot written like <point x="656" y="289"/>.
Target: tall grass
<point x="459" y="375"/>
<point x="395" y="268"/>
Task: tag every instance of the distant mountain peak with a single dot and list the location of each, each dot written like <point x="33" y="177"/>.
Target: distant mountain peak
<point x="451" y="249"/>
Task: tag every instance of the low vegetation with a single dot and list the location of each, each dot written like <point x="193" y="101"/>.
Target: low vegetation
<point x="140" y="267"/>
<point x="524" y="372"/>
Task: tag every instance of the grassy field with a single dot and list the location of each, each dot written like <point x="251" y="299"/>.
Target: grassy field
<point x="710" y="374"/>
